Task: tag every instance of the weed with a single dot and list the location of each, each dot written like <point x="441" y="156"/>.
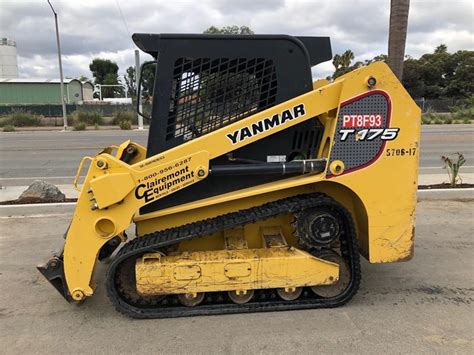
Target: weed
<point x="452" y="165"/>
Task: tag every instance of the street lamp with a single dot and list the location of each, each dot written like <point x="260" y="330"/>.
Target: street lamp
<point x="60" y="67"/>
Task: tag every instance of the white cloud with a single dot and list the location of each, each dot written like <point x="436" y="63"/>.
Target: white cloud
<point x="91" y="28"/>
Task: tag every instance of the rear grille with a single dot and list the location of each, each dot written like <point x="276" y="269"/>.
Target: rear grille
<point x="208" y="94"/>
<point x="305" y="142"/>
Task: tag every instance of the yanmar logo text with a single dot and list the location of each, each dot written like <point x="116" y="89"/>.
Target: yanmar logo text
<point x="266" y="124"/>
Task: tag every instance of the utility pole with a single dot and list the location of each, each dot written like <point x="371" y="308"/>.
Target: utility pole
<point x="137" y="82"/>
<point x="60" y="67"/>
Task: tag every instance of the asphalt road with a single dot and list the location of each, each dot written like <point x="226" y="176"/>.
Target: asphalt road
<point x="417" y="307"/>
<point x="54" y="156"/>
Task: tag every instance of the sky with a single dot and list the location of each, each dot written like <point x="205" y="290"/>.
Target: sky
<point x="103" y="28"/>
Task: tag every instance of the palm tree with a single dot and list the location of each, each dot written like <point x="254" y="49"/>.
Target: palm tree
<point x="336" y="61"/>
<point x="397" y="35"/>
<point x="346" y="58"/>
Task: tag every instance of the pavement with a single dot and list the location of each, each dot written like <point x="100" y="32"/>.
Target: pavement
<point x="421" y="306"/>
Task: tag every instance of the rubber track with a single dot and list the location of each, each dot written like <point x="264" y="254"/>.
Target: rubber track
<point x="155" y="241"/>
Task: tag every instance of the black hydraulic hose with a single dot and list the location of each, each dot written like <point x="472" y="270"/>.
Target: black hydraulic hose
<point x="293" y="167"/>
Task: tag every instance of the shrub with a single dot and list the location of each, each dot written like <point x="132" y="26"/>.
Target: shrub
<point x="466" y="120"/>
<point x="452" y="166"/>
<point x="80" y="126"/>
<point x="5" y="121"/>
<point x="96" y="126"/>
<point x="126" y="125"/>
<point x="448" y="120"/>
<point x="9" y="128"/>
<point x="425" y="119"/>
<point x="464" y="110"/>
<point x="21" y="119"/>
<point x="89" y="118"/>
<point x="125" y="116"/>
<point x="438" y="120"/>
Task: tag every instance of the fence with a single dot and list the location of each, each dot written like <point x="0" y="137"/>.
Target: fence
<point x="107" y="110"/>
<point x="56" y="110"/>
<point x="437" y="105"/>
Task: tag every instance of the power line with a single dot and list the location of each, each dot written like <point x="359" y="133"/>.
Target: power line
<point x="123" y="18"/>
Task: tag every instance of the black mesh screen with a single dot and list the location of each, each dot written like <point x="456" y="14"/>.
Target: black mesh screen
<point x="208" y="94"/>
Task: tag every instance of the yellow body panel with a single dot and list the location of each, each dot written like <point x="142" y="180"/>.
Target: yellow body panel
<point x="381" y="196"/>
<point x="229" y="270"/>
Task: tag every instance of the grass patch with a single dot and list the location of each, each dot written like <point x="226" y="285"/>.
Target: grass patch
<point x="9" y="128"/>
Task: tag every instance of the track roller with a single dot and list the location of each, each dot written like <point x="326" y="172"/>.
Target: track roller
<point x="191" y="299"/>
<point x="289" y="293"/>
<point x="241" y="296"/>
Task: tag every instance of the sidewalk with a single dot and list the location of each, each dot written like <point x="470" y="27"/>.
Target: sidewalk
<point x="9" y="193"/>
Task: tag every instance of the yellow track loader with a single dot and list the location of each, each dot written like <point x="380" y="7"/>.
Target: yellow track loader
<point x="258" y="189"/>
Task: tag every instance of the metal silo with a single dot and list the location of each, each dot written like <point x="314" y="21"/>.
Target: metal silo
<point x="8" y="59"/>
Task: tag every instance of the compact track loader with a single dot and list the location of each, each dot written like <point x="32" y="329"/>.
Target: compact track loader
<point x="258" y="189"/>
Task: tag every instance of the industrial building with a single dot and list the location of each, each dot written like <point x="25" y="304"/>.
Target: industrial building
<point x="43" y="91"/>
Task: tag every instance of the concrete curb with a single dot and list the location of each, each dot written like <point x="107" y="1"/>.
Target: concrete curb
<point x="39" y="209"/>
<point x="446" y="194"/>
<point x="42" y="209"/>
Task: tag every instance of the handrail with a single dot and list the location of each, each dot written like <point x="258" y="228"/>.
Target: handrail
<point x="79" y="170"/>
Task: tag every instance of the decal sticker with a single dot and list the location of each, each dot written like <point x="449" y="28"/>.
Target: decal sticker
<point x="266" y="124"/>
<point x="385" y="134"/>
<point x="357" y="121"/>
<point x="400" y="152"/>
<point x="363" y="128"/>
<point x="276" y="158"/>
<point x="165" y="180"/>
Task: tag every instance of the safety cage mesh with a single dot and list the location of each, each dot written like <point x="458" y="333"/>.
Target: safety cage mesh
<point x="208" y="94"/>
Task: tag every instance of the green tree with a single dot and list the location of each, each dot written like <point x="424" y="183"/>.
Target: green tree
<point x="105" y="72"/>
<point x="129" y="78"/>
<point x="83" y="78"/>
<point x="229" y="30"/>
<point x="460" y="83"/>
<point x="342" y="63"/>
<point x="440" y="74"/>
<point x="148" y="80"/>
<point x="442" y="48"/>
